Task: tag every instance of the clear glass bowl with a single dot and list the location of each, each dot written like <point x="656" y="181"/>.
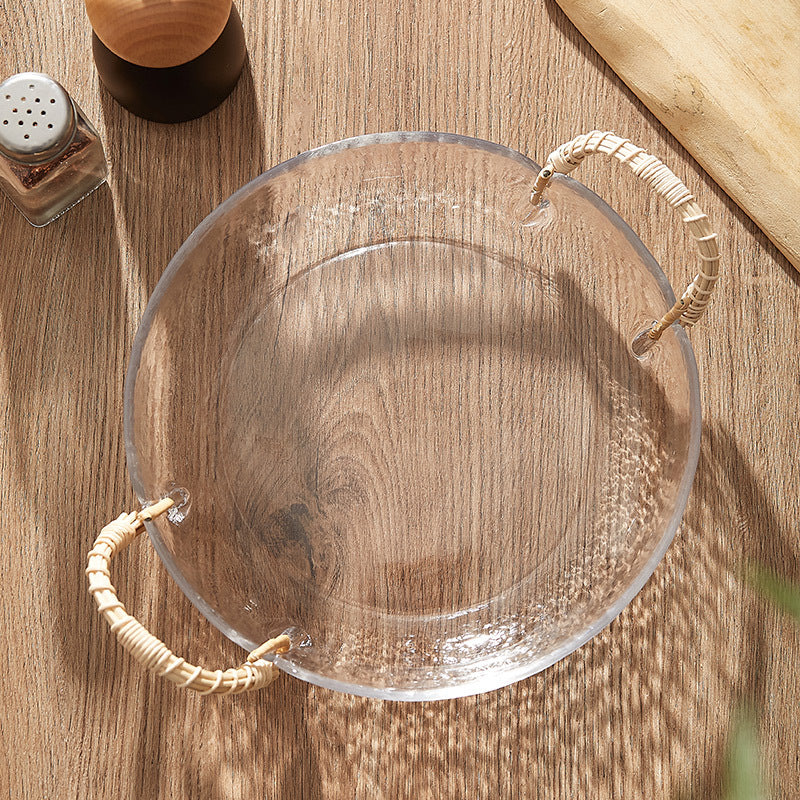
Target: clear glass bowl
<point x="402" y="420"/>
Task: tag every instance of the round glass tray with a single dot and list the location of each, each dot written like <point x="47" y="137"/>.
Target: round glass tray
<point x="401" y="418"/>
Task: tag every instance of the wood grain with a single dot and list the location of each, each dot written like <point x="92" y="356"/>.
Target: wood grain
<point x="641" y="711"/>
<point x="723" y="77"/>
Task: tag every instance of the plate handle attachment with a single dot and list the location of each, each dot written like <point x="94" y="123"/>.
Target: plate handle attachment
<point x="691" y="305"/>
<point x="147" y="649"/>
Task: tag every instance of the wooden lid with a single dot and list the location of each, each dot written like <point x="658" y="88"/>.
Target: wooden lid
<point x="158" y="33"/>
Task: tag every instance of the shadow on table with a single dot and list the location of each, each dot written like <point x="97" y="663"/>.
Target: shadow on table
<point x="167" y="178"/>
<point x="752" y="533"/>
<point x="62" y="334"/>
<point x="618" y="718"/>
<point x="68" y="348"/>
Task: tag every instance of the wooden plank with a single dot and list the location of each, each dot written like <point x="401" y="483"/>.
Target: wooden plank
<point x="724" y="77"/>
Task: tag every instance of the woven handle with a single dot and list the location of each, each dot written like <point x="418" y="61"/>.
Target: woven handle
<point x="663" y="181"/>
<point x="255" y="673"/>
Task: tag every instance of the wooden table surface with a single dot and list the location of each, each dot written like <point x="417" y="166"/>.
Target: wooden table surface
<point x="643" y="710"/>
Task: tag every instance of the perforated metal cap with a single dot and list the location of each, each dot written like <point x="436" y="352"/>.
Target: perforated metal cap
<point x="36" y="116"/>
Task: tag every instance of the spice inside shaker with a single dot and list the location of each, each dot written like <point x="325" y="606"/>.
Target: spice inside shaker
<point x="50" y="155"/>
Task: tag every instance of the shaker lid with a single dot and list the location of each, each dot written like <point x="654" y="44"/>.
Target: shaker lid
<point x="36" y="116"/>
<point x="158" y="33"/>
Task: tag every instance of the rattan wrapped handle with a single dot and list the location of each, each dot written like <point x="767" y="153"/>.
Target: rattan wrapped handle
<point x="690" y="307"/>
<point x="150" y="651"/>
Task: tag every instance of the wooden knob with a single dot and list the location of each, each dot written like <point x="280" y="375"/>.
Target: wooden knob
<point x="158" y="33"/>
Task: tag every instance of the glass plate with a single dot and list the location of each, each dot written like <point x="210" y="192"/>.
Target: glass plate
<point x="401" y="418"/>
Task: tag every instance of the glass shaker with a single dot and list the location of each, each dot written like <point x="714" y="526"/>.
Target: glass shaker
<point x="50" y="155"/>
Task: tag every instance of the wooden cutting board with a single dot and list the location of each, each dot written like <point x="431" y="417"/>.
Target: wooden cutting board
<point x="724" y="77"/>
